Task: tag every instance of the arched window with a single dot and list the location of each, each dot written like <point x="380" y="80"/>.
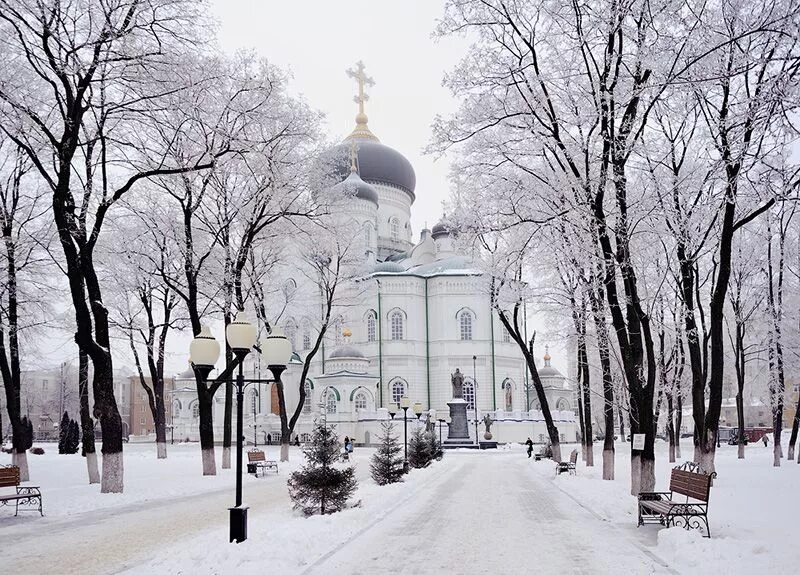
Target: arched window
<point x="372" y="325"/>
<point x="289" y="288"/>
<point x="396" y="321"/>
<point x="176" y="407"/>
<point x="469" y="394"/>
<point x="398" y="391"/>
<point x="466" y="325"/>
<point x="195" y="410"/>
<point x="394" y="229"/>
<point x="368" y="234"/>
<point x="306" y="335"/>
<point x="291" y="333"/>
<point x="562" y="404"/>
<point x="360" y="401"/>
<point x="307" y="401"/>
<point x="331" y="402"/>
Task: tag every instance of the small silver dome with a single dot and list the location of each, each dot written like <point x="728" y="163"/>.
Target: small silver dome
<point x="346" y="351"/>
<point x="353" y="184"/>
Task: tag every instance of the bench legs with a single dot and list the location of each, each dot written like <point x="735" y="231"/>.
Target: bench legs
<point x="688" y="522"/>
<point x="28" y="500"/>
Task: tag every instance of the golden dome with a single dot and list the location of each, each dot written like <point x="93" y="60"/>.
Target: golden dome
<point x="346" y="332"/>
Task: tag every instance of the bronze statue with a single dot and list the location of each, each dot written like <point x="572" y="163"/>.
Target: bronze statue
<point x="458" y="384"/>
<point x="488" y="421"/>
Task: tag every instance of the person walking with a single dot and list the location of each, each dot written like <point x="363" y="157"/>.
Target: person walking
<point x="529" y="443"/>
<point x="765" y="440"/>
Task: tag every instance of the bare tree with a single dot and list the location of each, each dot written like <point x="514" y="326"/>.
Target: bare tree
<point x="21" y="209"/>
<point x="85" y="70"/>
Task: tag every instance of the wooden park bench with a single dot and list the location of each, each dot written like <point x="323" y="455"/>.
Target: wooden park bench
<point x="663" y="507"/>
<point x="568" y="466"/>
<point x="25" y="495"/>
<point x="257" y="461"/>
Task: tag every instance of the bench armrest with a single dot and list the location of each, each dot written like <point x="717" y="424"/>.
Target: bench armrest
<point x="654" y="495"/>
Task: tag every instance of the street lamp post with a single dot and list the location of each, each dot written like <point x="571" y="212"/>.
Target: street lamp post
<point x="241" y="336"/>
<point x="405" y="403"/>
<point x="418" y="411"/>
<point x="392" y="407"/>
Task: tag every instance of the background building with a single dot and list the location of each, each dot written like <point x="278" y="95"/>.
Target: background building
<point x="419" y="311"/>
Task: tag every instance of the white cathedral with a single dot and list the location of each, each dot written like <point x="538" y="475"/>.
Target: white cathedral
<point x="422" y="311"/>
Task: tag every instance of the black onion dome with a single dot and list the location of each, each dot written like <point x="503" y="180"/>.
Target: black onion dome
<point x="380" y="164"/>
<point x="362" y="189"/>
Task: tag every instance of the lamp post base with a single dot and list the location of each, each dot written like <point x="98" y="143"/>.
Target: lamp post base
<point x="238" y="524"/>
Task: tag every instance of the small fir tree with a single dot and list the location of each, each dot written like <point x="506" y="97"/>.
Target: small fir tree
<point x="419" y="450"/>
<point x="63" y="430"/>
<point x="319" y="486"/>
<point x="434" y="446"/>
<point x="386" y="465"/>
<point x="73" y="438"/>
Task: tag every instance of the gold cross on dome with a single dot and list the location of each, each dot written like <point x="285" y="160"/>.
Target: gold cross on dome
<point x="363" y="80"/>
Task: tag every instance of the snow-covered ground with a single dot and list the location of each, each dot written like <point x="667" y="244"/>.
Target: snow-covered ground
<point x="752" y="510"/>
<point x="64" y="481"/>
<point x="472" y="512"/>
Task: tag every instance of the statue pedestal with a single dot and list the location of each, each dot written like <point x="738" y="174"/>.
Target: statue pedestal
<point x="458" y="431"/>
<point x="486" y="444"/>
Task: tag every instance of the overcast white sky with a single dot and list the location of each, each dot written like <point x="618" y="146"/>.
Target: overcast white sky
<point x="318" y="40"/>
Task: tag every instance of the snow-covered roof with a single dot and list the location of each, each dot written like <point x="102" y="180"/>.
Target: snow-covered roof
<point x="453" y="266"/>
<point x="346" y="373"/>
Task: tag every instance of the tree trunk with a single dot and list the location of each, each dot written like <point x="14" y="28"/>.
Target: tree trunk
<point x="597" y="301"/>
<point x="671" y="427"/>
<point x="110" y="423"/>
<point x="286" y="435"/>
<point x="793" y="436"/>
<point x="227" y="426"/>
<point x="10" y="359"/>
<point x="20" y="459"/>
<point x="581" y="424"/>
<point x="587" y="406"/>
<point x="678" y="420"/>
<point x="205" y="403"/>
<point x="87" y="423"/>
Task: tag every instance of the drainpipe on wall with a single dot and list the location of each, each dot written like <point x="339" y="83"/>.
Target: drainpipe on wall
<point x="427" y="346"/>
<point x="380" y="345"/>
<point x="494" y="382"/>
<point x="322" y="317"/>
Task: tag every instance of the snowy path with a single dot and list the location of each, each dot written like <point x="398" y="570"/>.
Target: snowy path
<point x="111" y="540"/>
<point x="490" y="513"/>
